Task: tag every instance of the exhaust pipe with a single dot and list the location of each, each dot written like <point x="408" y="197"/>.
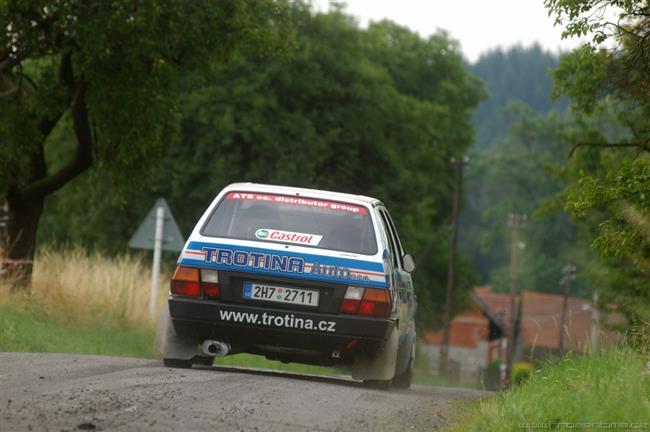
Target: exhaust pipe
<point x="215" y="348"/>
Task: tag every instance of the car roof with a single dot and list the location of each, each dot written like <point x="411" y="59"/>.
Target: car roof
<point x="311" y="193"/>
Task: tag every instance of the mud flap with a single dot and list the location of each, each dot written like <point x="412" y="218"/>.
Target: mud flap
<point x="169" y="346"/>
<point x="405" y="352"/>
<point x="380" y="367"/>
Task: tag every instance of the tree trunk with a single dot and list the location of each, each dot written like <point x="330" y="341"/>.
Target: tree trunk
<point x="26" y="198"/>
<point x="20" y="241"/>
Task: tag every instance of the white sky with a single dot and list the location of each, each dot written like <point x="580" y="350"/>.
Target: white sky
<point x="479" y="25"/>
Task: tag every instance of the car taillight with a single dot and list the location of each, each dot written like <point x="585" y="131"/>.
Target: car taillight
<point x="185" y="282"/>
<point x="352" y="299"/>
<point x="192" y="282"/>
<point x="366" y="301"/>
<point x="210" y="283"/>
<point x="375" y="302"/>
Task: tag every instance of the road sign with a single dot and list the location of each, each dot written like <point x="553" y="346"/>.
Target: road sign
<point x="158" y="231"/>
<point x="144" y="237"/>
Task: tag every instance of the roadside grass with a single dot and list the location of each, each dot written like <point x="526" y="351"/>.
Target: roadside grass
<point x="89" y="303"/>
<point x="27" y="326"/>
<point x="606" y="388"/>
<point x="90" y="288"/>
<point x="80" y="302"/>
<point x="31" y="328"/>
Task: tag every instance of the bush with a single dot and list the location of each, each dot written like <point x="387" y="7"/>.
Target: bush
<point x="521" y="372"/>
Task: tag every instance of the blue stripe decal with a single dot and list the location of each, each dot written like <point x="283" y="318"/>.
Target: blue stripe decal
<point x="203" y="264"/>
<point x="342" y="262"/>
<point x="279" y="263"/>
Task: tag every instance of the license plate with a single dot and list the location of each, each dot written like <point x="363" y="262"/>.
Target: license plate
<point x="299" y="296"/>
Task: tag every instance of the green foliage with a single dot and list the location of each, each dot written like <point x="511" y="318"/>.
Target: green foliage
<point x="521" y="164"/>
<point x="377" y="112"/>
<point x="579" y="76"/>
<point x="608" y="204"/>
<point x="516" y="74"/>
<point x="612" y="387"/>
<point x="627" y="231"/>
<point x="521" y="372"/>
<point x="123" y="59"/>
<point x="518" y="175"/>
<point x="609" y="194"/>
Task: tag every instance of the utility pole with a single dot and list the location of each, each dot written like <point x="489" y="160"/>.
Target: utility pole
<point x="515" y="221"/>
<point x="568" y="274"/>
<point x="451" y="264"/>
<point x="595" y="324"/>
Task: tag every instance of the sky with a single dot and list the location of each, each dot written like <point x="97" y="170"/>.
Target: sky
<point x="479" y="25"/>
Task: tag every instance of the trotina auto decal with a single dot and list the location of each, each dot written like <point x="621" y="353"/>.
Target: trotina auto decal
<point x="239" y="258"/>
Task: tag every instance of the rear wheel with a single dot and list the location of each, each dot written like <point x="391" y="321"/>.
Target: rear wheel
<point x="404" y="380"/>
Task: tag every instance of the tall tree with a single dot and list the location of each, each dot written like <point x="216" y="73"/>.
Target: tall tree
<point x="515" y="74"/>
<point x="111" y="67"/>
<point x="335" y="115"/>
<point x="521" y="173"/>
<point x="612" y="193"/>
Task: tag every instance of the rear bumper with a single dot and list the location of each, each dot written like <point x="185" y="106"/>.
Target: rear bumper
<point x="251" y="328"/>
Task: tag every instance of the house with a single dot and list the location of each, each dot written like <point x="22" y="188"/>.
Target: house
<point x="479" y="337"/>
<point x="540" y="322"/>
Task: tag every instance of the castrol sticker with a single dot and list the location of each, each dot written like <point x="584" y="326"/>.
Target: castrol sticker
<point x="288" y="236"/>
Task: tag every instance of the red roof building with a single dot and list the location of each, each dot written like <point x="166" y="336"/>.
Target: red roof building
<point x="540" y="322"/>
<point x="478" y="337"/>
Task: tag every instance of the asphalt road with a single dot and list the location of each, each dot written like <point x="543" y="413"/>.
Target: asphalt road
<point x="67" y="392"/>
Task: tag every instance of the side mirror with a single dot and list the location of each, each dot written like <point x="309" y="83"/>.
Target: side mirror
<point x="408" y="263"/>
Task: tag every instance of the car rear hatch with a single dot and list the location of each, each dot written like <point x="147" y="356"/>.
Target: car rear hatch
<point x="288" y="252"/>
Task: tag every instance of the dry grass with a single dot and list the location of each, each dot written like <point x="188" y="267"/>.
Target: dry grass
<point x="86" y="288"/>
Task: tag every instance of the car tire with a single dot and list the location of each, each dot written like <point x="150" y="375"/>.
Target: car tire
<point x="177" y="363"/>
<point x="404" y="380"/>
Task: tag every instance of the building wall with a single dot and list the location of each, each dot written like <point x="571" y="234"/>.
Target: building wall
<point x="470" y="359"/>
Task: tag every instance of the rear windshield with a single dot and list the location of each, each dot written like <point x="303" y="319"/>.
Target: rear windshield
<point x="295" y="220"/>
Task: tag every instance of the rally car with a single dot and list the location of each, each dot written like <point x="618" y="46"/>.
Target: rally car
<point x="296" y="275"/>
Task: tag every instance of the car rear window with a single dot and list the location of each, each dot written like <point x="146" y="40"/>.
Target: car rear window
<point x="295" y="220"/>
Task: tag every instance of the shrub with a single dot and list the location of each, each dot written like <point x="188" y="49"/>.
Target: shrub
<point x="521" y="372"/>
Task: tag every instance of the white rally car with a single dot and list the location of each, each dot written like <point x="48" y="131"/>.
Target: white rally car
<point x="296" y="275"/>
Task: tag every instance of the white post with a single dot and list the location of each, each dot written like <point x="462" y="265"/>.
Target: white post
<point x="157" y="249"/>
